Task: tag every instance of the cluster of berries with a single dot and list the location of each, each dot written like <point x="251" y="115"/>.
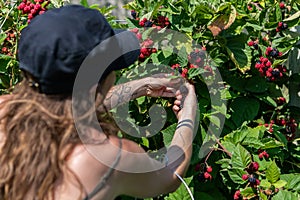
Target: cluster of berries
<point x="264" y="66"/>
<point x="205" y="173"/>
<point x="146" y="46"/>
<point x="290" y="129"/>
<point x="197" y="60"/>
<point x="161" y="22"/>
<point x="145" y="23"/>
<point x="273" y="52"/>
<point x="158" y="23"/>
<point x="253" y="43"/>
<point x="263" y="154"/>
<point x="31" y="9"/>
<point x="270" y="126"/>
<point x="9" y="41"/>
<point x="251" y="174"/>
<point x="281" y="26"/>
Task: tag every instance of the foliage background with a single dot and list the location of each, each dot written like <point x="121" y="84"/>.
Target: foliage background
<point x="261" y="113"/>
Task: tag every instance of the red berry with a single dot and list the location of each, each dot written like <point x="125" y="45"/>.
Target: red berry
<point x="237" y="195"/>
<point x="207" y="175"/>
<point x="245" y="177"/>
<point x="281" y="5"/>
<point x="254" y="166"/>
<point x="257" y="182"/>
<point x="209" y="169"/>
<point x="250" y="43"/>
<point x="144" y="51"/>
<point x="30" y="16"/>
<point x="268" y="64"/>
<point x="261" y="156"/>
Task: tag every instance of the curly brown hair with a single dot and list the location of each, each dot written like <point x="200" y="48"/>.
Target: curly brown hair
<point x="39" y="135"/>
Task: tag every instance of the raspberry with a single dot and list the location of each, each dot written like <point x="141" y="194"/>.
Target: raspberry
<point x="237" y="195"/>
<point x="257" y="182"/>
<point x="4" y="49"/>
<point x="245" y="177"/>
<point x="261" y="156"/>
<point x="250" y="43"/>
<point x="266" y="155"/>
<point x="207" y="175"/>
<point x="144" y="51"/>
<point x="141" y="23"/>
<point x="268" y="64"/>
<point x="209" y="169"/>
<point x="253" y="167"/>
<point x="281" y="5"/>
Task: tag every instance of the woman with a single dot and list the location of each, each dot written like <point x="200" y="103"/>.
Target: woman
<point x="42" y="154"/>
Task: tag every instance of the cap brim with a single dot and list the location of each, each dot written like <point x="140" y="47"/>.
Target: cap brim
<point x="129" y="46"/>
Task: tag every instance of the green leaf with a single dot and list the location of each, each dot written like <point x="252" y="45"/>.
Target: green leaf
<point x="2" y="37"/>
<point x="271" y="144"/>
<point x="84" y="3"/>
<point x="254" y="26"/>
<point x="284" y="195"/>
<point x="145" y="142"/>
<point x="236" y="174"/>
<point x="168" y="134"/>
<point x="256" y="84"/>
<point x="195" y="72"/>
<point x="244" y="109"/>
<point x="215" y="120"/>
<point x="241" y="158"/>
<point x="181" y="193"/>
<point x="229" y="146"/>
<point x="238" y="51"/>
<point x="293" y="17"/>
<point x="203" y="195"/>
<point x="252" y="142"/>
<point x="280" y="184"/>
<point x="248" y="192"/>
<point x="183" y="57"/>
<point x="293" y="181"/>
<point x="265" y="184"/>
<point x="224" y="163"/>
<point x="272" y="173"/>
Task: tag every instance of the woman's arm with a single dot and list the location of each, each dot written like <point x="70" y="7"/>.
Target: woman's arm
<point x="163" y="179"/>
<point x="159" y="85"/>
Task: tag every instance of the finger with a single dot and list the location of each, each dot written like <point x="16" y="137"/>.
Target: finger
<point x="179" y="97"/>
<point x="176" y="108"/>
<point x="177" y="102"/>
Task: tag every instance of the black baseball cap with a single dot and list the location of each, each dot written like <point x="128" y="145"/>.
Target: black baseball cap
<point x="55" y="44"/>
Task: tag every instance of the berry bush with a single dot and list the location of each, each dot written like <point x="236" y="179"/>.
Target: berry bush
<point x="247" y="144"/>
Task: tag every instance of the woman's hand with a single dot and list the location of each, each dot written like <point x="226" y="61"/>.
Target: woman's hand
<point x="161" y="85"/>
<point x="186" y="101"/>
